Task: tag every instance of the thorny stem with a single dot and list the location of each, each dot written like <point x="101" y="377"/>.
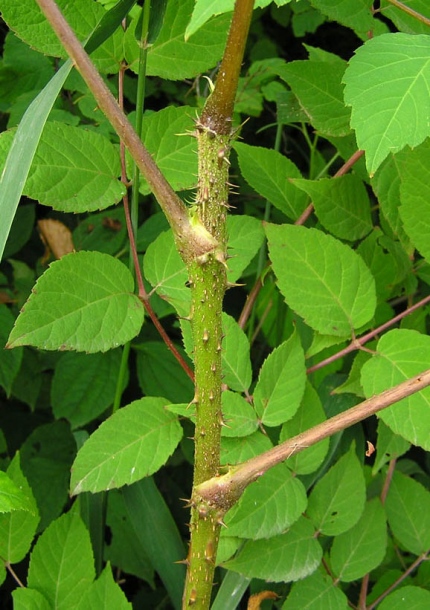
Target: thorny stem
<point x="208" y="282"/>
<point x="191" y="240"/>
<point x="224" y="491"/>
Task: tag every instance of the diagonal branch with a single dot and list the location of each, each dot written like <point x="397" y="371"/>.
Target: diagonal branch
<point x="223" y="492"/>
<point x="192" y="240"/>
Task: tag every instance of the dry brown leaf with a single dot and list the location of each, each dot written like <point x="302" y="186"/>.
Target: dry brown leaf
<point x="254" y="602"/>
<point x="56" y="237"/>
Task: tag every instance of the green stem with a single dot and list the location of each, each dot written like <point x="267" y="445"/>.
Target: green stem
<point x="208" y="282"/>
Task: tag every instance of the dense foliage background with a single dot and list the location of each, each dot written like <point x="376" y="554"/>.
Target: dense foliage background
<point x="338" y="525"/>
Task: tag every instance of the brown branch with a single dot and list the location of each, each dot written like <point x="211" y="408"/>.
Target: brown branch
<point x="218" y="111"/>
<point x="358" y="343"/>
<point x="409" y="11"/>
<point x="223" y="492"/>
<point x="191" y="241"/>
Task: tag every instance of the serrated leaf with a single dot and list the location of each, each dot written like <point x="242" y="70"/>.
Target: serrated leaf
<point x="310" y="413"/>
<point x="75" y="170"/>
<point x="83" y="302"/>
<point x="90" y="380"/>
<point x="415" y="197"/>
<point x="62" y="564"/>
<point x="408" y="513"/>
<point x="336" y="502"/>
<point x="239" y="417"/>
<point x="315" y="592"/>
<point x="268" y="172"/>
<point x="322" y="280"/>
<point x="17" y="529"/>
<point x="29" y="599"/>
<point x="10" y="362"/>
<point x="11" y="496"/>
<point x="236" y="450"/>
<point x="245" y="237"/>
<point x="167" y="134"/>
<point x="287" y="557"/>
<point x="401" y="354"/>
<point x="104" y="593"/>
<point x="173" y="57"/>
<point x="133" y="443"/>
<point x="341" y="204"/>
<point x="387" y="82"/>
<point x="29" y="23"/>
<point x="318" y="87"/>
<point x="165" y="270"/>
<point x="236" y="362"/>
<point x="281" y="383"/>
<point x="361" y="549"/>
<point x="412" y="598"/>
<point x="267" y="507"/>
<point x="354" y="14"/>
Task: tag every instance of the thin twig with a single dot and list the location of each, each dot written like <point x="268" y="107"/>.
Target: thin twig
<point x="409" y="11"/>
<point x="358" y="343"/>
<point x="401" y="578"/>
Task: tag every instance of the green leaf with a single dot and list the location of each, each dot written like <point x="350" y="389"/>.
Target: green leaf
<point x="236" y="450"/>
<point x="29" y="23"/>
<point x="157" y="533"/>
<point x="405" y="22"/>
<point x="415" y="197"/>
<point x="167" y="134"/>
<point x="309" y="414"/>
<point x="245" y="237"/>
<point x="408" y="513"/>
<point x="239" y="417"/>
<point x="267" y="507"/>
<point x="389" y="447"/>
<point x="401" y="354"/>
<point x="361" y="549"/>
<point x="46" y="458"/>
<point x="29" y="599"/>
<point x="281" y="383"/>
<point x="10" y="361"/>
<point x="341" y="204"/>
<point x="90" y="380"/>
<point x="62" y="564"/>
<point x="412" y="598"/>
<point x="125" y="550"/>
<point x="173" y="57"/>
<point x="17" y="529"/>
<point x="336" y="502"/>
<point x="104" y="593"/>
<point x="160" y="374"/>
<point x="387" y="87"/>
<point x="269" y="173"/>
<point x="12" y="497"/>
<point x="75" y="170"/>
<point x="165" y="270"/>
<point x="316" y="592"/>
<point x="354" y="14"/>
<point x="322" y="280"/>
<point x="133" y="443"/>
<point x="83" y="302"/>
<point x="236" y="363"/>
<point x="318" y="87"/>
<point x="287" y="557"/>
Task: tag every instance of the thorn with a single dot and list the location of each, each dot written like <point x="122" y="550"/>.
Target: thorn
<point x="184" y="561"/>
<point x="221" y="523"/>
